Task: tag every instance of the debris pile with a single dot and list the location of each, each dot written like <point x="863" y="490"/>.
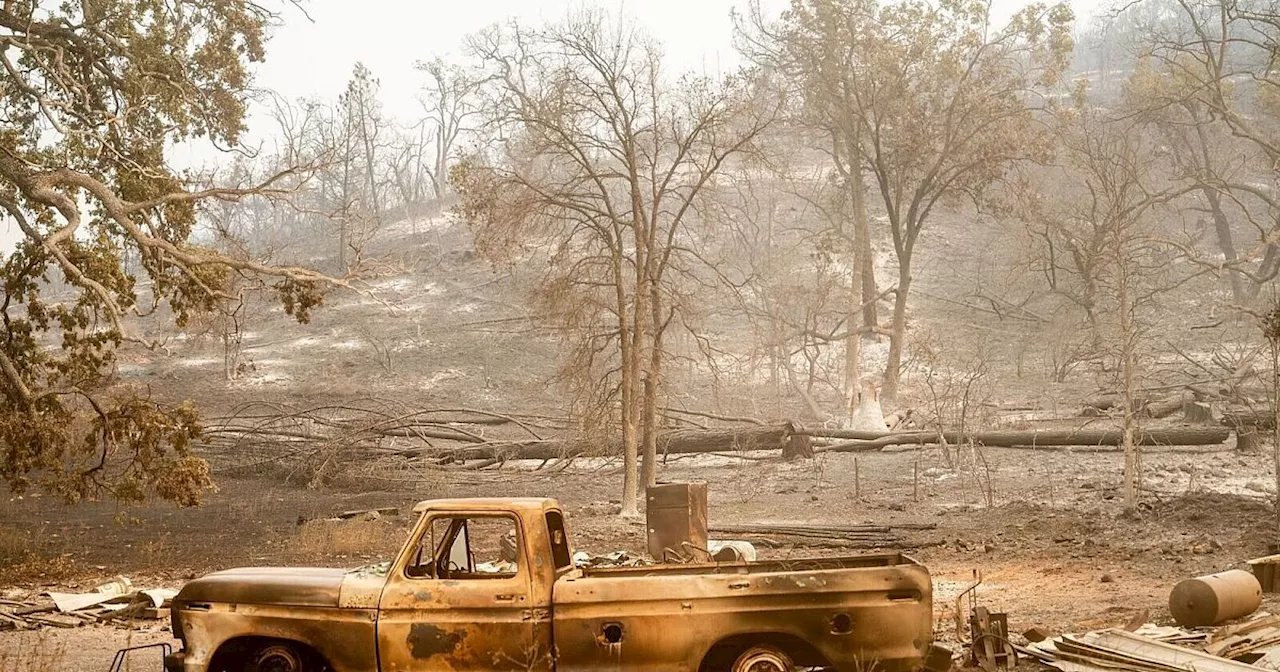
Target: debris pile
<point x="113" y="601"/>
<point x="1249" y="641"/>
<point x="1243" y="647"/>
<point x="1117" y="649"/>
<point x="585" y="560"/>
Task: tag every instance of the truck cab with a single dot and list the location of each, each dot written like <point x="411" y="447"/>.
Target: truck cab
<point x="476" y="588"/>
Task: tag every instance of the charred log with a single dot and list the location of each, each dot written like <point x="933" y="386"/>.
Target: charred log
<point x="863" y="441"/>
<point x="675" y="441"/>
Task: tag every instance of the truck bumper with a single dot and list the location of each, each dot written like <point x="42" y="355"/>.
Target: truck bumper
<point x="176" y="662"/>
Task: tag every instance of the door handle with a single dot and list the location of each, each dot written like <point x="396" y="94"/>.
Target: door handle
<point x="506" y="597"/>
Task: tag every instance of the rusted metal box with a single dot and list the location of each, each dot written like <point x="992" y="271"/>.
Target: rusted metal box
<point x="1267" y="571"/>
<point x="676" y="514"/>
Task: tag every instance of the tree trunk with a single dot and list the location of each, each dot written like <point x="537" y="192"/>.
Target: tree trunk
<point x="856" y="316"/>
<point x="626" y="347"/>
<point x="1266" y="269"/>
<point x="346" y="197"/>
<point x="862" y="238"/>
<point x="897" y="336"/>
<point x="1222" y="226"/>
<point x="853" y="343"/>
<point x="375" y="202"/>
<point x="865" y="262"/>
<point x="797" y="447"/>
<point x="630" y="491"/>
<point x="862" y="280"/>
<point x="649" y="466"/>
<point x="1275" y="420"/>
<point x="1128" y="338"/>
<point x="1248" y="440"/>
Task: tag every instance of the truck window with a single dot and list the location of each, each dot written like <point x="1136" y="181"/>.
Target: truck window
<point x="467" y="547"/>
<point x="559" y="541"/>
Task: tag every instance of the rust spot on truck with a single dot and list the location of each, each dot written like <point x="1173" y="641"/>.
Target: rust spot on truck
<point x="426" y="640"/>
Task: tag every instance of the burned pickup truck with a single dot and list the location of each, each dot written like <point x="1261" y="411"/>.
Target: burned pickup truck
<point x="489" y="584"/>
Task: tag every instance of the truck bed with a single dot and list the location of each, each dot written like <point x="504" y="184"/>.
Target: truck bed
<point x="840" y="613"/>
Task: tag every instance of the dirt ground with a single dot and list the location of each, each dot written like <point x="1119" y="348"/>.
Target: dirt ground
<point x="1051" y="544"/>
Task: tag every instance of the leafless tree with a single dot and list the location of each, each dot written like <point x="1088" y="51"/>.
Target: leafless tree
<point x="1103" y="245"/>
<point x="451" y="106"/>
<point x="601" y="161"/>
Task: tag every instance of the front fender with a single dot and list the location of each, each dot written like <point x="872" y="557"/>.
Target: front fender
<point x="345" y="637"/>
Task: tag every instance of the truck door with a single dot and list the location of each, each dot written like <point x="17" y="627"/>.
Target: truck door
<point x="461" y="599"/>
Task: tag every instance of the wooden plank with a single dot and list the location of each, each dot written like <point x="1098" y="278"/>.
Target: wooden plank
<point x="57" y="620"/>
<point x="15" y="621"/>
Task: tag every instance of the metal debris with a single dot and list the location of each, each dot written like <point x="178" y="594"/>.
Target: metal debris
<point x="105" y="592"/>
<point x="1215" y="598"/>
<point x="731" y="551"/>
<point x="1171" y="635"/>
<point x="675" y="516"/>
<point x="990" y="647"/>
<point x="1117" y="649"/>
<point x="1237" y="641"/>
<point x="939" y="659"/>
<point x="1267" y="571"/>
<point x="115" y="600"/>
<point x="614" y="559"/>
<point x="1036" y="634"/>
<point x="370" y="514"/>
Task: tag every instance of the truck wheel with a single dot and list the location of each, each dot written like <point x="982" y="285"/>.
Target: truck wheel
<point x="762" y="659"/>
<point x="278" y="657"/>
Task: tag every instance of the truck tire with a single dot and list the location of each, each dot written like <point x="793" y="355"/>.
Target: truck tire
<point x="763" y="659"/>
<point x="279" y="657"/>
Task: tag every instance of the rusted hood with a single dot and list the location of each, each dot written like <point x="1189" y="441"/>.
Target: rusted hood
<point x="286" y="586"/>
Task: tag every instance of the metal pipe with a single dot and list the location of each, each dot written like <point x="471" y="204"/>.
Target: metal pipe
<point x="977" y="581"/>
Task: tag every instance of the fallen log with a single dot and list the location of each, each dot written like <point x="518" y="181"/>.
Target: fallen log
<point x="1220" y="448"/>
<point x="804" y="542"/>
<point x="1147" y="406"/>
<point x="861" y="440"/>
<point x="1241" y="418"/>
<point x="672" y="442"/>
<point x="1163" y="408"/>
<point x="781" y="528"/>
<point x="1102" y="403"/>
<point x="240" y="433"/>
